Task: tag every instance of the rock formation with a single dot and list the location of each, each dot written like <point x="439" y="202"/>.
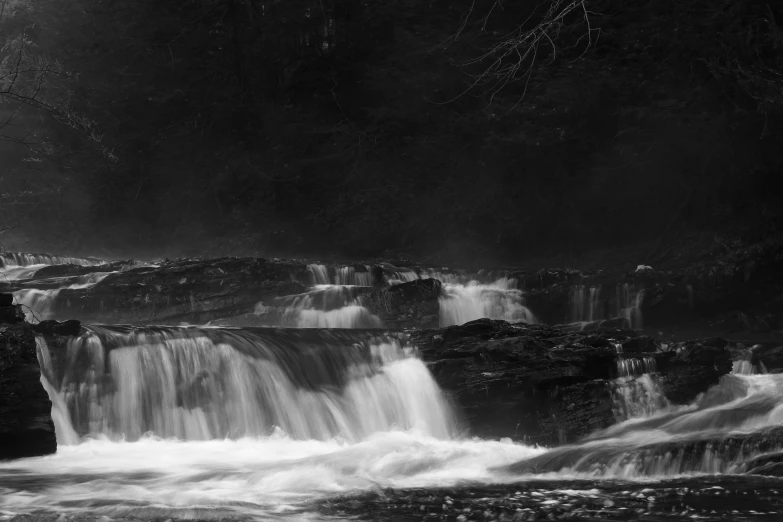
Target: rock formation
<point x="26" y="427"/>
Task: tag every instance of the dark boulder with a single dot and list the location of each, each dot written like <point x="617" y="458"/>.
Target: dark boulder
<point x="693" y="369"/>
<point x="26" y="427"/>
<point x="408" y="305"/>
<point x="551" y="385"/>
<point x="527" y="382"/>
<point x="639" y="344"/>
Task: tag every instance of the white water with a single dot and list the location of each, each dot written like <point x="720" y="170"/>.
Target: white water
<point x="471" y="301"/>
<point x="39" y="304"/>
<point x="209" y="425"/>
<point x="260" y="477"/>
<point x="324" y="306"/>
<point x="346" y="275"/>
<point x="587" y="304"/>
<point x="201" y="384"/>
<point x="12" y="259"/>
<point x="156" y="444"/>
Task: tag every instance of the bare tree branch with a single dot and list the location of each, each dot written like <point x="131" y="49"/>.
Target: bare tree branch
<point x="514" y="56"/>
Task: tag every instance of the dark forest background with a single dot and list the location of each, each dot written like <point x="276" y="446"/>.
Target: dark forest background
<point x="444" y="129"/>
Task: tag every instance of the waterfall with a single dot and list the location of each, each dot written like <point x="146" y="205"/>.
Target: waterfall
<point x="325" y="306"/>
<point x="629" y="304"/>
<point x="634" y="367"/>
<point x="585" y="304"/>
<point x="213" y="383"/>
<point x="400" y="277"/>
<point x="12" y="259"/>
<point x="346" y="275"/>
<point x="638" y="397"/>
<point x="39" y="304"/>
<point x="319" y="273"/>
<point x="637" y="392"/>
<point x="731" y="428"/>
<point x="499" y="300"/>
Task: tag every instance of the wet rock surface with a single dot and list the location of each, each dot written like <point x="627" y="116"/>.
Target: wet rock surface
<point x="407" y="305"/>
<point x="190" y="291"/>
<point x="26" y="427"/>
<point x="550" y="385"/>
<point x="706" y="498"/>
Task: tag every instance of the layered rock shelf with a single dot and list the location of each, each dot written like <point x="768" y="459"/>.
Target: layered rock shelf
<point x="551" y="386"/>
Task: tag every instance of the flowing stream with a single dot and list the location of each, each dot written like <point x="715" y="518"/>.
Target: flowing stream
<point x="215" y="423"/>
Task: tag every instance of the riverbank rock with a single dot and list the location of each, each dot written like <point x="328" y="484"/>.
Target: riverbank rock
<point x="550" y="385"/>
<point x="183" y="291"/>
<point x="407" y="305"/>
<point x="26" y="427"/>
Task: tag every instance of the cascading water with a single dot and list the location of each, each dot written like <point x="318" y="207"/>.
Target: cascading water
<point x="38" y="304"/>
<point x="637" y="392"/>
<point x="208" y="383"/>
<point x="585" y="304"/>
<point x="629" y="302"/>
<point x="224" y="423"/>
<point x="12" y="259"/>
<point x="729" y="429"/>
<point x="499" y="300"/>
<point x="588" y="304"/>
<point x="324" y="306"/>
<point x="346" y="275"/>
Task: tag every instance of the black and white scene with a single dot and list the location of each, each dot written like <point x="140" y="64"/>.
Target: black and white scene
<point x="391" y="260"/>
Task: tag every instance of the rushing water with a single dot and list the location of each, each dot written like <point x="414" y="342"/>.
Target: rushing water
<point x="500" y="299"/>
<point x="215" y="423"/>
<point x="226" y="423"/>
<point x="324" y="306"/>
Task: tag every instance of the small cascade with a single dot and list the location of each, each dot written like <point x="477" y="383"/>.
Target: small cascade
<point x="319" y="273"/>
<point x="638" y="397"/>
<point x="18" y="259"/>
<point x="734" y="427"/>
<point x="499" y="300"/>
<point x="348" y="275"/>
<point x="637" y="392"/>
<point x="39" y="304"/>
<point x="325" y="306"/>
<point x="215" y="383"/>
<point x="448" y="278"/>
<point x="635" y="367"/>
<point x="345" y="276"/>
<point x="400" y="277"/>
<point x="585" y="304"/>
<point x="744" y="365"/>
<point x="629" y="304"/>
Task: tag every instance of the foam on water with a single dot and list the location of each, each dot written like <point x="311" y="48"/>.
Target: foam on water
<point x="498" y="300"/>
<point x="39" y="304"/>
<point x="251" y="476"/>
<point x="208" y="383"/>
<point x="324" y="306"/>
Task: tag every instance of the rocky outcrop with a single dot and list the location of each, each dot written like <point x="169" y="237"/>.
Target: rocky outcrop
<point x="189" y="291"/>
<point x="548" y="385"/>
<point x="408" y="305"/>
<point x="26" y="427"/>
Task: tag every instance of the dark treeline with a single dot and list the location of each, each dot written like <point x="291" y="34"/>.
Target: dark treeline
<point x="359" y="128"/>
